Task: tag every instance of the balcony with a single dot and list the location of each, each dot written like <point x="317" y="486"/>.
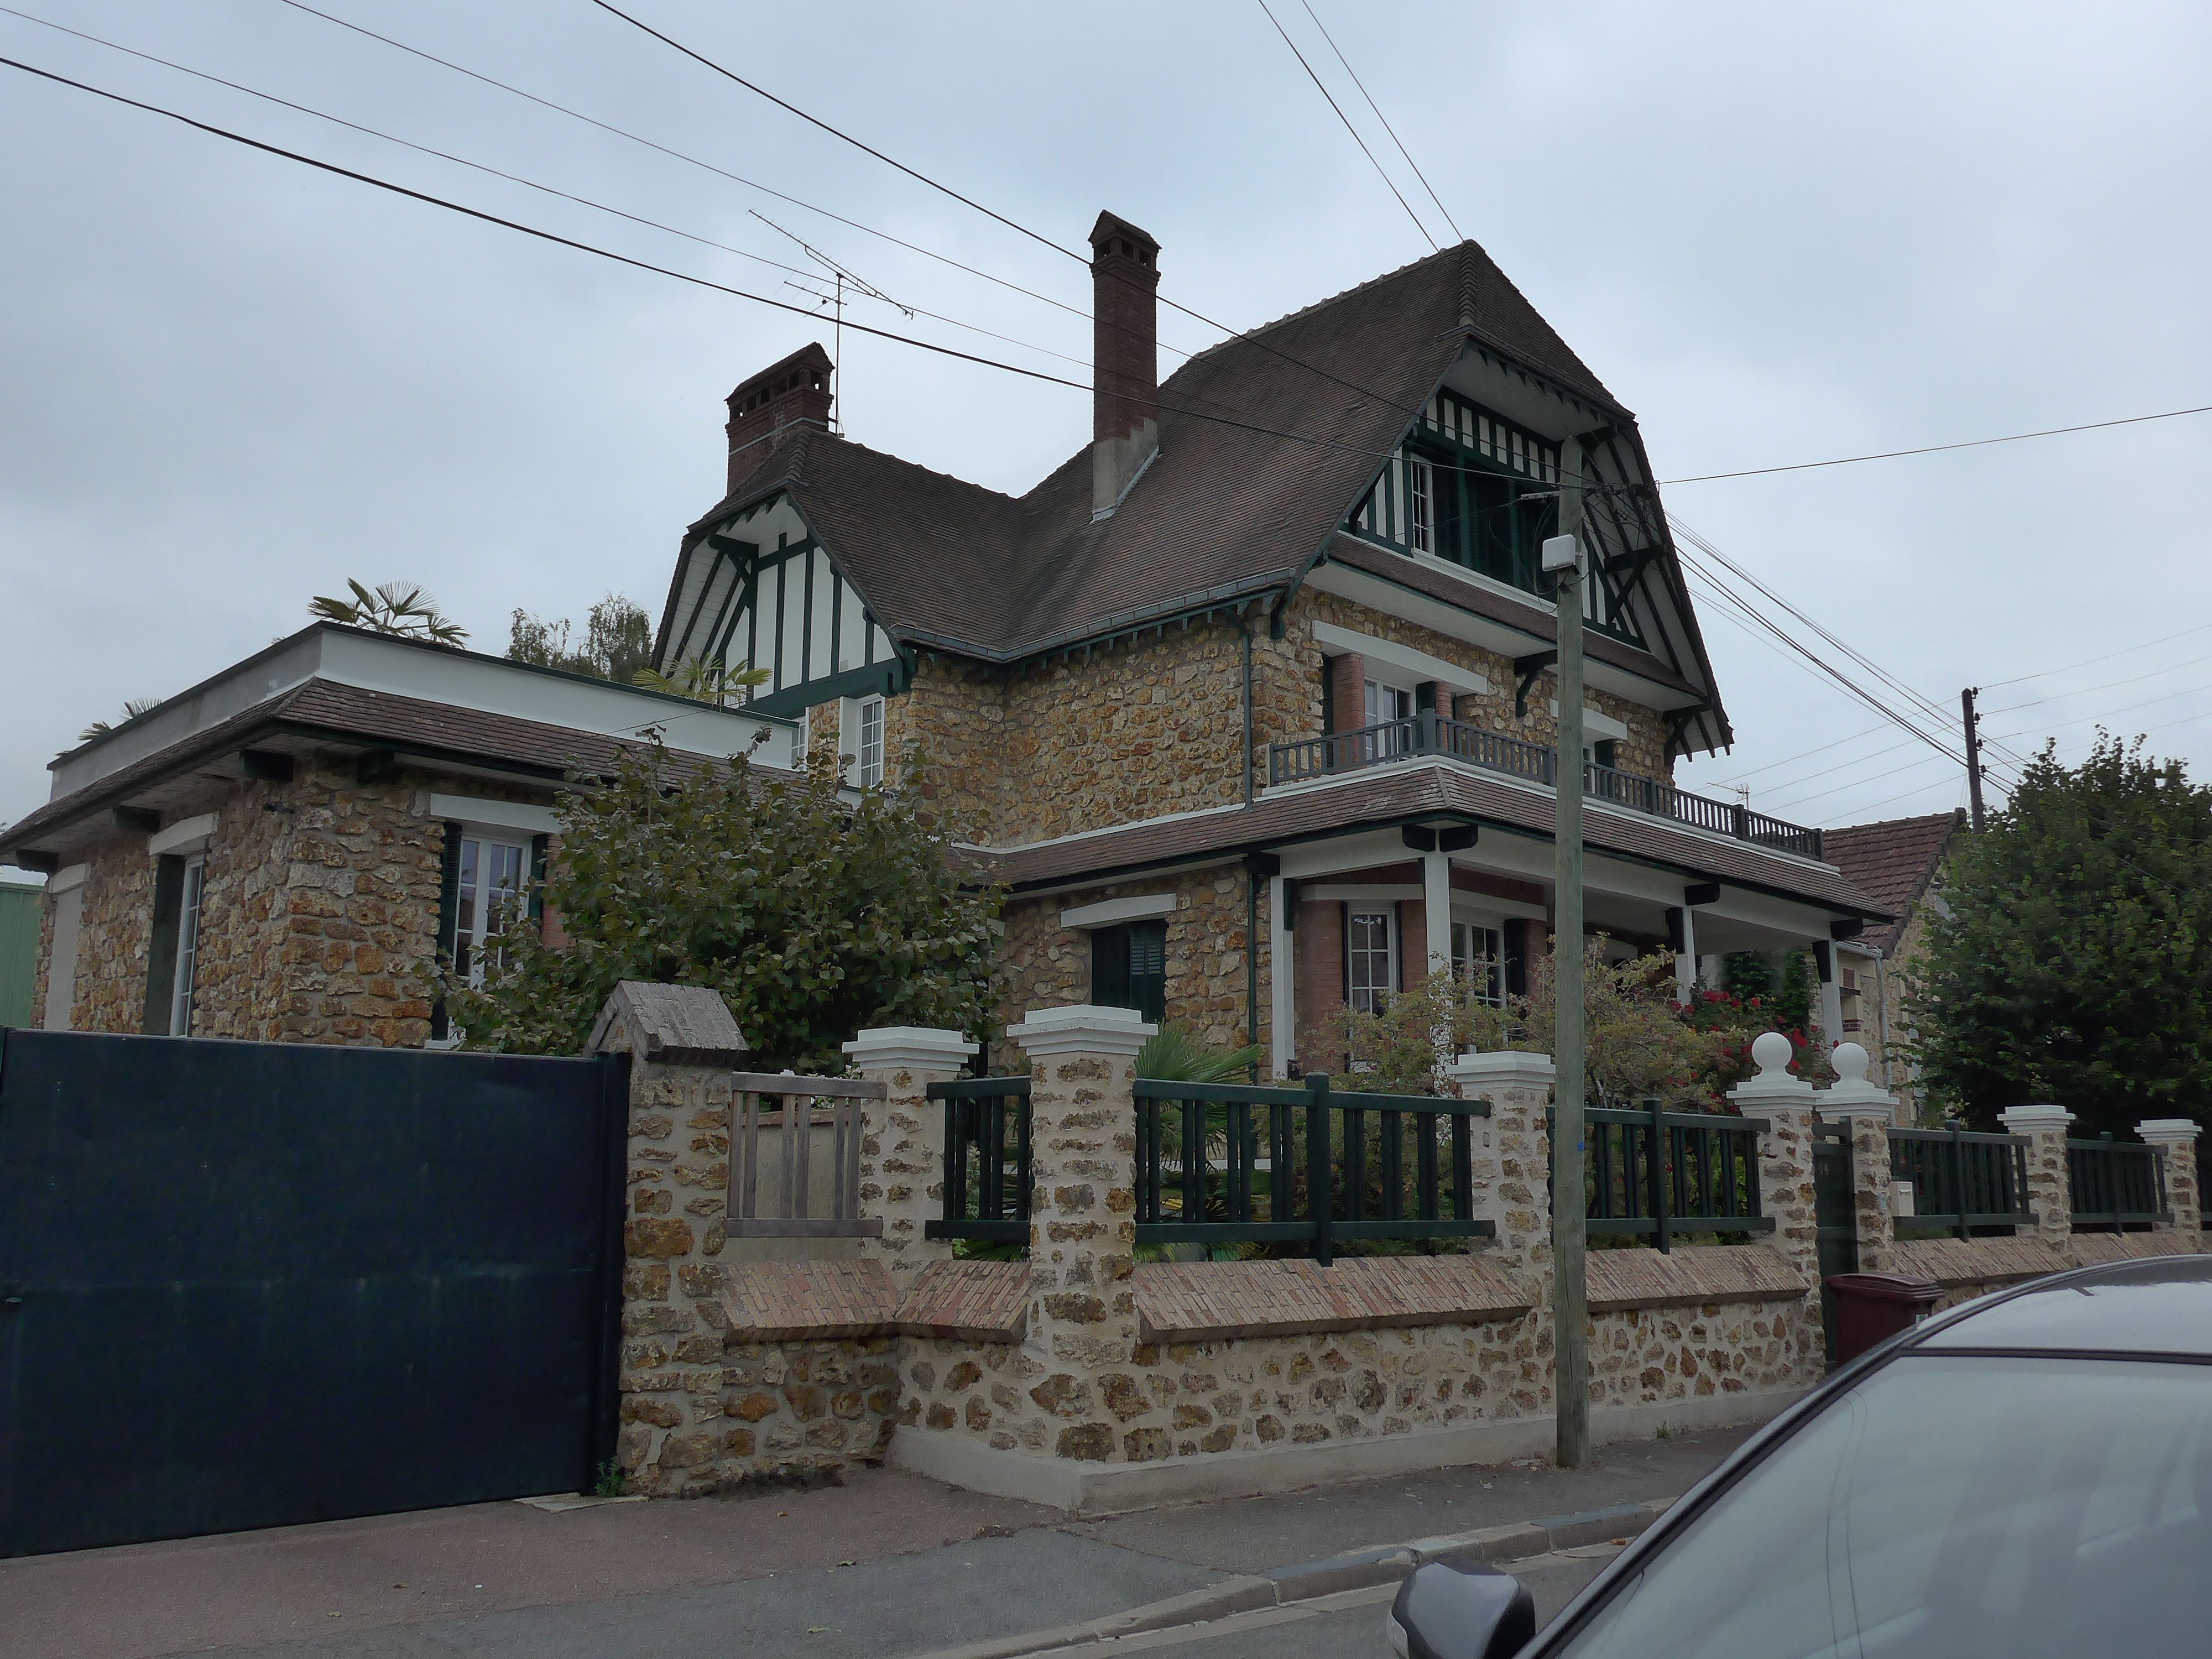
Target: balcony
<point x="1492" y="751"/>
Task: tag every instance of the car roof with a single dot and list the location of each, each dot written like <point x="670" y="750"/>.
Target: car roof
<point x="2162" y="1305"/>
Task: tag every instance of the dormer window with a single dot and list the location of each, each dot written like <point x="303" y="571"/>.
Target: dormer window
<point x="1421" y="505"/>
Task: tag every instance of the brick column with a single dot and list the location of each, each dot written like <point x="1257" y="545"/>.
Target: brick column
<point x="2050" y="1183"/>
<point x="1082" y="1228"/>
<point x="2176" y="1138"/>
<point x="1869" y="1111"/>
<point x="683" y="1045"/>
<point x="1783" y="1104"/>
<point x="902" y="1140"/>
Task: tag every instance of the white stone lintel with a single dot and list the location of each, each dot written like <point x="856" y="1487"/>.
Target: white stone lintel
<point x="1504" y="1069"/>
<point x="2031" y="1120"/>
<point x="910" y="1048"/>
<point x="1082" y="1028"/>
<point x="184" y="837"/>
<point x="2168" y="1131"/>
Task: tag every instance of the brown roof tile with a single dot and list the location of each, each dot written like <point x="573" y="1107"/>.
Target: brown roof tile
<point x="1892" y="863"/>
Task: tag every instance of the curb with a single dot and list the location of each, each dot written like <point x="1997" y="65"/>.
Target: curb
<point x="1354" y="1569"/>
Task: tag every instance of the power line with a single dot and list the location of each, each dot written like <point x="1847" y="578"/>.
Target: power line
<point x="2124" y="708"/>
<point x="1348" y="127"/>
<point x="2087" y="691"/>
<point x="1796" y="802"/>
<point x="1803" y="754"/>
<point x="836" y="132"/>
<point x="1937" y="449"/>
<point x="2087" y="662"/>
<point x="1383" y="119"/>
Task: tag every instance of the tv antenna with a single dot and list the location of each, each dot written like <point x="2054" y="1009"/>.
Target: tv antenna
<point x="834" y="302"/>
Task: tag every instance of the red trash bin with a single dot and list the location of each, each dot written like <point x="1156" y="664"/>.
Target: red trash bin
<point x="1871" y="1307"/>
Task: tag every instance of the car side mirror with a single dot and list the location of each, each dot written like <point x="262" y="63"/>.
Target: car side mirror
<point x="1445" y="1610"/>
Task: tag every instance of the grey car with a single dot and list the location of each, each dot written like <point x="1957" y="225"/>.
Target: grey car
<point x="2027" y="1475"/>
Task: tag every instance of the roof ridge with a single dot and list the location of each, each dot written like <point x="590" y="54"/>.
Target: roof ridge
<point x="1288" y="317"/>
<point x="1952" y="816"/>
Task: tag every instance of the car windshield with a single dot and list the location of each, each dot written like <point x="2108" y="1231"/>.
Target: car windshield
<point x="1950" y="1506"/>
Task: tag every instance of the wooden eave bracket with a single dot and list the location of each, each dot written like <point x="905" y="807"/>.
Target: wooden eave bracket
<point x="1528" y="668"/>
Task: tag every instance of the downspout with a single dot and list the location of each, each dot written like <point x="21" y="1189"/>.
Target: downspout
<point x="1244" y="628"/>
<point x="1881" y="1010"/>
<point x="1252" y="956"/>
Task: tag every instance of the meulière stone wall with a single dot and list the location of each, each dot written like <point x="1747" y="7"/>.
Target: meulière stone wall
<point x="113" y="937"/>
<point x="1042" y="964"/>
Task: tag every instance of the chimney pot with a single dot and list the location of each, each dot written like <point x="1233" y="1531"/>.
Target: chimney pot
<point x="1125" y="397"/>
<point x="785" y="397"/>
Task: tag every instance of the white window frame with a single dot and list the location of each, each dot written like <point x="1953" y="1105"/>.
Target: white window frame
<point x="476" y="905"/>
<point x="1385" y="700"/>
<point x="1421" y="505"/>
<point x="1491" y="988"/>
<point x="868" y="751"/>
<point x="1362" y="992"/>
<point x="189" y="895"/>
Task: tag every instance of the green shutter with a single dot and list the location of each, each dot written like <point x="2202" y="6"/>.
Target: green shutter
<point x="161" y="947"/>
<point x="449" y="913"/>
<point x="1110" y="967"/>
<point x="537" y="848"/>
<point x="1148" y="968"/>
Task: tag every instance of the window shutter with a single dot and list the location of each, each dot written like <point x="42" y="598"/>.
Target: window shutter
<point x="1401" y="962"/>
<point x="1516" y="957"/>
<point x="1344" y="953"/>
<point x="1110" y="967"/>
<point x="161" y="946"/>
<point x="1148" y="968"/>
<point x="449" y="910"/>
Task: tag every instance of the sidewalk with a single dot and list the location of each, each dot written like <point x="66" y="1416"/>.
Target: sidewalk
<point x="887" y="1564"/>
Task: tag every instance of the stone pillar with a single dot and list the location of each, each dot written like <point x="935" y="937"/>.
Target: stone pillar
<point x="1082" y="1228"/>
<point x="1513" y="1192"/>
<point x="683" y="1045"/>
<point x="1870" y="1112"/>
<point x="902" y="1140"/>
<point x="2176" y="1138"/>
<point x="1783" y="1104"/>
<point x="2050" y="1183"/>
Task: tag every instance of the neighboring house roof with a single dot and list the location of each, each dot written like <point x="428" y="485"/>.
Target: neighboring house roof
<point x="1407" y="793"/>
<point x="1894" y="862"/>
<point x="174" y="749"/>
<point x="1267" y="442"/>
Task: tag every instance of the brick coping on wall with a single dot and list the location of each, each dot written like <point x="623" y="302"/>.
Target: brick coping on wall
<point x="1694" y="1275"/>
<point x="1215" y="1301"/>
<point x="818" y="1301"/>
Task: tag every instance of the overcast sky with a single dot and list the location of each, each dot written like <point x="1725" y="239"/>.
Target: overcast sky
<point x="1778" y="233"/>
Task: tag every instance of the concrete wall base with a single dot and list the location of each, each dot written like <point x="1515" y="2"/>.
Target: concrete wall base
<point x="1108" y="1488"/>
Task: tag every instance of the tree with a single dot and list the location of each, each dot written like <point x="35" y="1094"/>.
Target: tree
<point x="400" y="609"/>
<point x="132" y="709"/>
<point x="2074" y="963"/>
<point x="705" y="679"/>
<point x="617" y="640"/>
<point x="813" y="915"/>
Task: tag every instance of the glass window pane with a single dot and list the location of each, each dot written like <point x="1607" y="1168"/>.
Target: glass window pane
<point x="1421" y="502"/>
<point x="1367" y="957"/>
<point x="1952" y="1505"/>
<point x="188" y="948"/>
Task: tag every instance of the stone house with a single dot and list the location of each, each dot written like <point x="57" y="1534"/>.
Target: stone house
<point x="281" y="852"/>
<point x="1899" y="864"/>
<point x="1251" y="702"/>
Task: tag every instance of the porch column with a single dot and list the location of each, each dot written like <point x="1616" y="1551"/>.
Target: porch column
<point x="1868" y="1112"/>
<point x="1282" y="980"/>
<point x="2176" y="1138"/>
<point x="1685" y="927"/>
<point x="1831" y="993"/>
<point x="2050" y="1183"/>
<point x="1435" y="905"/>
<point x="1784" y="1105"/>
<point x="902" y="1140"/>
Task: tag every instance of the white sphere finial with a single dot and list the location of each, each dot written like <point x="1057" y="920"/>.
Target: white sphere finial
<point x="1849" y="1059"/>
<point x="1770" y="1051"/>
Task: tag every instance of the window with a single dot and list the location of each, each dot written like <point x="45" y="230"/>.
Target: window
<point x="1421" y="505"/>
<point x="868" y="753"/>
<point x="1386" y="703"/>
<point x="488" y="888"/>
<point x="173" y="945"/>
<point x="1129" y="967"/>
<point x="1370" y="961"/>
<point x="1479" y="958"/>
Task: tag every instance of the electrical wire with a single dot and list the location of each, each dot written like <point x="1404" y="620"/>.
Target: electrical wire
<point x="2087" y="691"/>
<point x="1384" y="119"/>
<point x="1937" y="449"/>
<point x="1342" y="117"/>
<point x="2087" y="662"/>
<point x="2147" y="703"/>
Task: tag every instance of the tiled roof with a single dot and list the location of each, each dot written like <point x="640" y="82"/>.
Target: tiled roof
<point x="1893" y="862"/>
<point x="350" y="714"/>
<point x="1229" y="508"/>
<point x="1406" y="793"/>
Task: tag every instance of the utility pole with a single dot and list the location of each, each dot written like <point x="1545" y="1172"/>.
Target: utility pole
<point x="1570" y="1233"/>
<point x="1973" y="754"/>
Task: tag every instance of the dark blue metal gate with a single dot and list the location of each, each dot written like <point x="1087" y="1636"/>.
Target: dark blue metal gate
<point x="246" y="1284"/>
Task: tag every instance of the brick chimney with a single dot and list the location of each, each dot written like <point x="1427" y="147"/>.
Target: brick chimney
<point x="793" y="393"/>
<point x="1125" y="401"/>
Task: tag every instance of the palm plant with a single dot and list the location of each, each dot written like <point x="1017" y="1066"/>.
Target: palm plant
<point x="400" y="609"/>
<point x="704" y="680"/>
<point x="131" y="710"/>
<point x="1175" y="1054"/>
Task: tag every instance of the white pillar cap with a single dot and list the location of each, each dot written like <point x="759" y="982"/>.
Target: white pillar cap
<point x="910" y="1048"/>
<point x="1852" y="1096"/>
<point x="2168" y="1131"/>
<point x="1774" y="1088"/>
<point x="2027" y="1120"/>
<point x="1505" y="1069"/>
<point x="1082" y="1029"/>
